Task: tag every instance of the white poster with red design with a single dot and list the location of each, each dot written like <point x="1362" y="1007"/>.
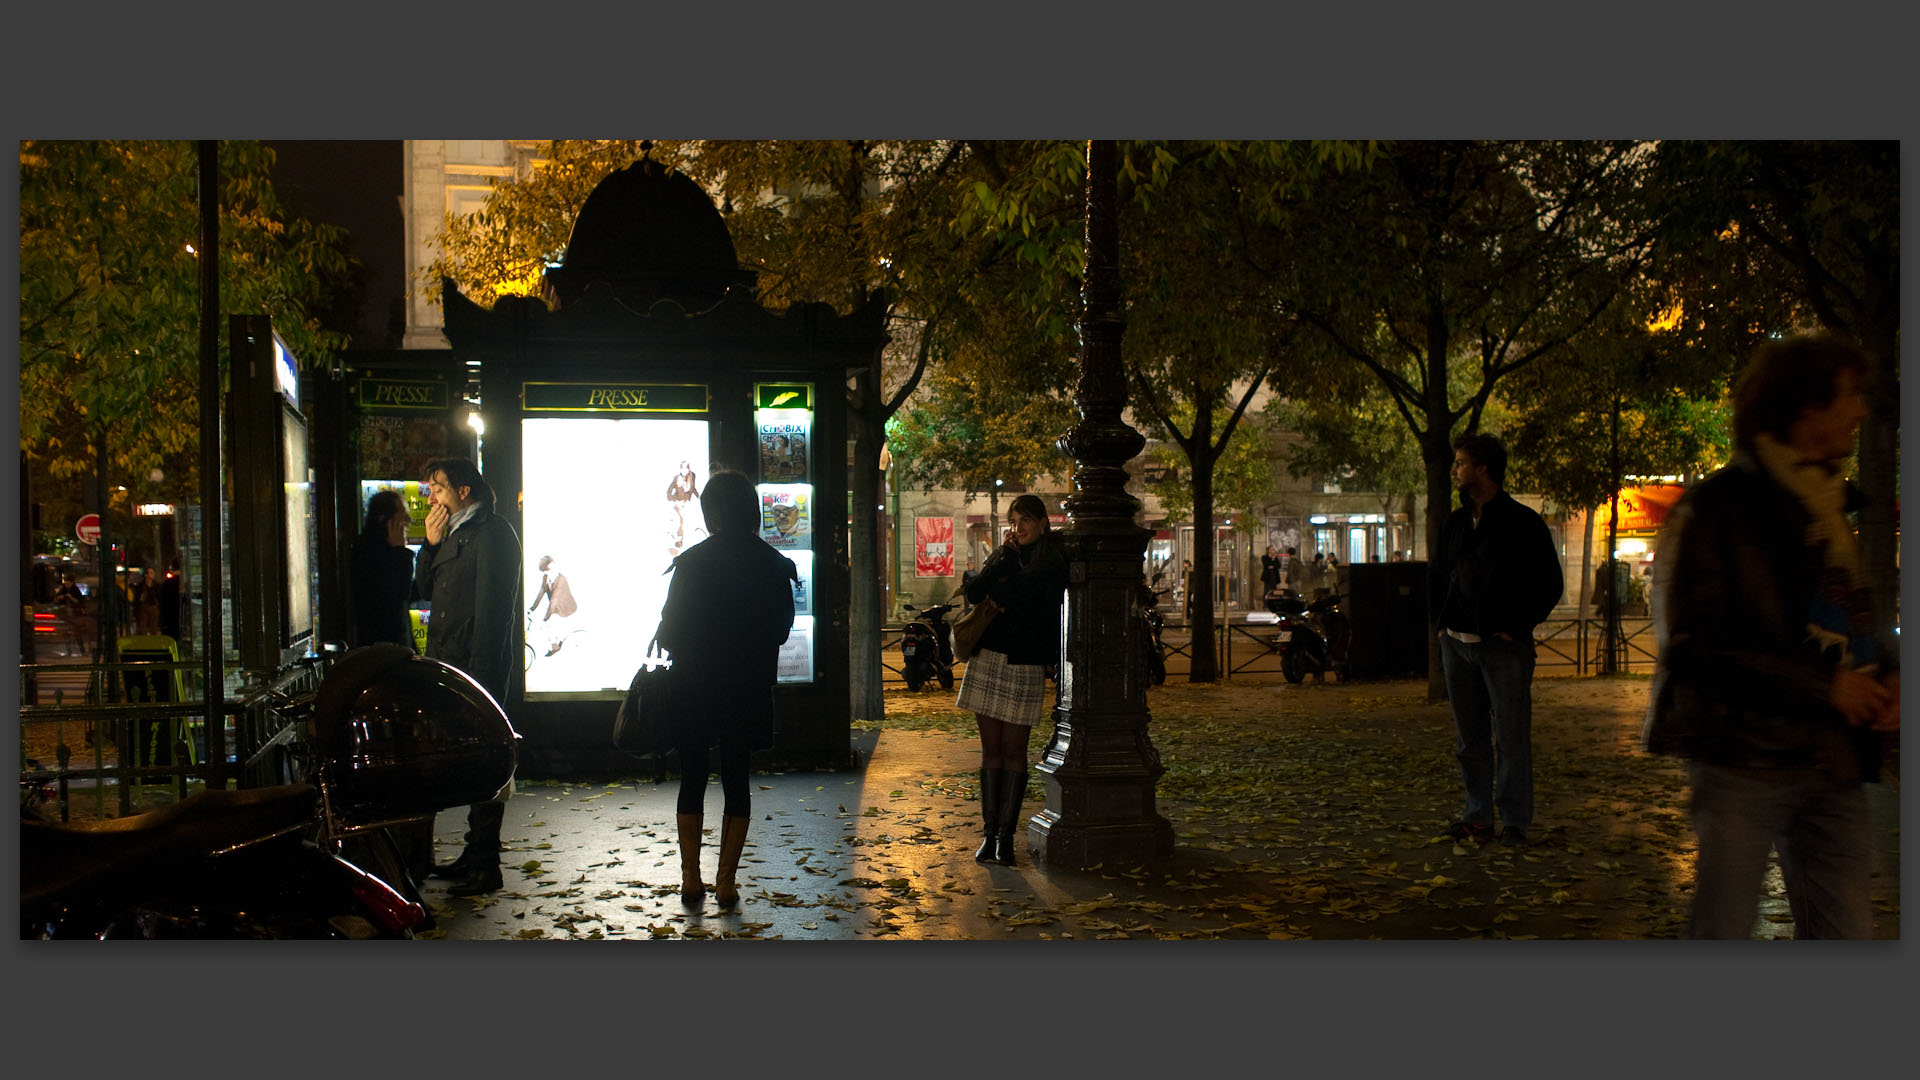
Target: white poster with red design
<point x="932" y="547"/>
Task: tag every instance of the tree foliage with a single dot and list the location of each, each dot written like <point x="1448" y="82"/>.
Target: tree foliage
<point x="109" y="295"/>
<point x="1764" y="237"/>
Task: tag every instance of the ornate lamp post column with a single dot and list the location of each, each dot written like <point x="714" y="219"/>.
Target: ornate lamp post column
<point x="1100" y="766"/>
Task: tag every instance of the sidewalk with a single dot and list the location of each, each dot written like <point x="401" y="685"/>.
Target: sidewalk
<point x="1304" y="811"/>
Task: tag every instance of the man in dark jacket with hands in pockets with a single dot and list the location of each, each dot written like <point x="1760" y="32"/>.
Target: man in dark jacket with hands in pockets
<point x="1493" y="577"/>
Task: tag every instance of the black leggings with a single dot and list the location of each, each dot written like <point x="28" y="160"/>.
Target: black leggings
<point x="694" y="764"/>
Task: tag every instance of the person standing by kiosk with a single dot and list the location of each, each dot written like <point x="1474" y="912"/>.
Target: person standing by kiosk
<point x="469" y="571"/>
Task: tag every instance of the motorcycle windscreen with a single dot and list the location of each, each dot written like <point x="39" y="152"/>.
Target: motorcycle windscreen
<point x="608" y="505"/>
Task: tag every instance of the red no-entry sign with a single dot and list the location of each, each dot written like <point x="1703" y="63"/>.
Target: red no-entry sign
<point x="88" y="528"/>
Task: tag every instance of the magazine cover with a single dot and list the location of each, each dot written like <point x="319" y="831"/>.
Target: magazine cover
<point x="783" y="453"/>
<point x="786" y="518"/>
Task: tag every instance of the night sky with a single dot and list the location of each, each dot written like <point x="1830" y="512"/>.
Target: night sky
<point x="356" y="185"/>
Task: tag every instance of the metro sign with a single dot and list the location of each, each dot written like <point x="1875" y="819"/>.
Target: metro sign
<point x="88" y="528"/>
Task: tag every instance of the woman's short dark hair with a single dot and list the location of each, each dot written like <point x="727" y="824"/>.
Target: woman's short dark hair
<point x="385" y="505"/>
<point x="1486" y="452"/>
<point x="1786" y="377"/>
<point x="729" y="503"/>
<point x="1032" y="506"/>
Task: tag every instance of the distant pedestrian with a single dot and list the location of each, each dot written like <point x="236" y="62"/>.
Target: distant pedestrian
<point x="1270" y="570"/>
<point x="1772" y="677"/>
<point x="1006" y="678"/>
<point x="1494" y="576"/>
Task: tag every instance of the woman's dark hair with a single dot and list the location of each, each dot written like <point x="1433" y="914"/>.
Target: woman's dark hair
<point x="1787" y="377"/>
<point x="729" y="503"/>
<point x="1032" y="506"/>
<point x="382" y="508"/>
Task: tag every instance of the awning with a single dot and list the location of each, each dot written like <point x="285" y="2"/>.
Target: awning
<point x="1642" y="509"/>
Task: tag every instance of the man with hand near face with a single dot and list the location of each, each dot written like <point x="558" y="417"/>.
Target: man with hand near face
<point x="1773" y="676"/>
<point x="1494" y="576"/>
<point x="469" y="570"/>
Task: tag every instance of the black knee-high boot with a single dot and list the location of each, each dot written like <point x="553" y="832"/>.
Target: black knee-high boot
<point x="1013" y="790"/>
<point x="990" y="781"/>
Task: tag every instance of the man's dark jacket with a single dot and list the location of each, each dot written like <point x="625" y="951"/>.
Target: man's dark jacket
<point x="1502" y="576"/>
<point x="1738" y="682"/>
<point x="472" y="580"/>
<point x="1028" y="630"/>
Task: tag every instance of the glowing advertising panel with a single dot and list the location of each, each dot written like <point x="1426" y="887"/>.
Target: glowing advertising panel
<point x="414" y="492"/>
<point x="607" y="506"/>
<point x="783" y="422"/>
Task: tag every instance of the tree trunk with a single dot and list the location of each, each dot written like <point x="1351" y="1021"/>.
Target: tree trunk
<point x="1206" y="664"/>
<point x="1437" y="450"/>
<point x="867" y="424"/>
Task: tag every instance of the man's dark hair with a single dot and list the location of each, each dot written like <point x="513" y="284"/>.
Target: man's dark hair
<point x="1787" y="377"/>
<point x="461" y="473"/>
<point x="385" y="505"/>
<point x="1486" y="452"/>
<point x="729" y="503"/>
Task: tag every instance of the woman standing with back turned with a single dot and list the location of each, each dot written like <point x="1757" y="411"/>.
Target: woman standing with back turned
<point x="729" y="608"/>
<point x="1005" y="678"/>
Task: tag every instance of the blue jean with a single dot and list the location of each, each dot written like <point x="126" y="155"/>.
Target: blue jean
<point x="1490" y="686"/>
<point x="1820" y="828"/>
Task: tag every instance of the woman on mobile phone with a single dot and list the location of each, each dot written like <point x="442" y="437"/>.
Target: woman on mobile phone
<point x="1005" y="679"/>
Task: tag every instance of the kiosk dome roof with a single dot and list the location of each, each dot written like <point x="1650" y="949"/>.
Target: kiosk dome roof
<point x="650" y="234"/>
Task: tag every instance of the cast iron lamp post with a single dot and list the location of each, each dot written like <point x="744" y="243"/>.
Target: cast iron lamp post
<point x="1100" y="767"/>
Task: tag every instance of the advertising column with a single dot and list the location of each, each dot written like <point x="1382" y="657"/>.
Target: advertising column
<point x="783" y="421"/>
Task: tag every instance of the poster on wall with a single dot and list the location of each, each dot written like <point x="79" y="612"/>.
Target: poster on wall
<point x="932" y="547"/>
<point x="416" y="495"/>
<point x="786" y="515"/>
<point x="594" y="576"/>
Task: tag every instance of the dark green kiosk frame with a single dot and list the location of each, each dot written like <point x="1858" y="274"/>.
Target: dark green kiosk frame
<point x="604" y="359"/>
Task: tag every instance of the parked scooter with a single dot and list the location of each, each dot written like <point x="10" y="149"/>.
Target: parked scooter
<point x="1312" y="637"/>
<point x="393" y="735"/>
<point x="1151" y="643"/>
<point x="926" y="644"/>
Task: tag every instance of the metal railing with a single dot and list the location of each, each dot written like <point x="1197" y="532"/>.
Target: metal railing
<point x="131" y="745"/>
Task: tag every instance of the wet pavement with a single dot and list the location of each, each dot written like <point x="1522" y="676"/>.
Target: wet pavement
<point x="1303" y="811"/>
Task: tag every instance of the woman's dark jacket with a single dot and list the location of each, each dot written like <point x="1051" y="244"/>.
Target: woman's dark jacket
<point x="1027" y="583"/>
<point x="729" y="608"/>
<point x="382" y="585"/>
<point x="472" y="579"/>
<point x="1738" y="682"/>
<point x="1501" y="576"/>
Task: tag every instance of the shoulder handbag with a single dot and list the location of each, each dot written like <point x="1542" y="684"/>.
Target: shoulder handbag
<point x="643" y="726"/>
<point x="968" y="628"/>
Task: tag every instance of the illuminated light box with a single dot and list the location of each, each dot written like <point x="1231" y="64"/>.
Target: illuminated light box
<point x="612" y="503"/>
<point x="796" y="653"/>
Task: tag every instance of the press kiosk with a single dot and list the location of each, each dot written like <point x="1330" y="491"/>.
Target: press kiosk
<point x="603" y="417"/>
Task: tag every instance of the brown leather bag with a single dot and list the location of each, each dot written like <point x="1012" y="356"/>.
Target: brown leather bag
<point x="968" y="628"/>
